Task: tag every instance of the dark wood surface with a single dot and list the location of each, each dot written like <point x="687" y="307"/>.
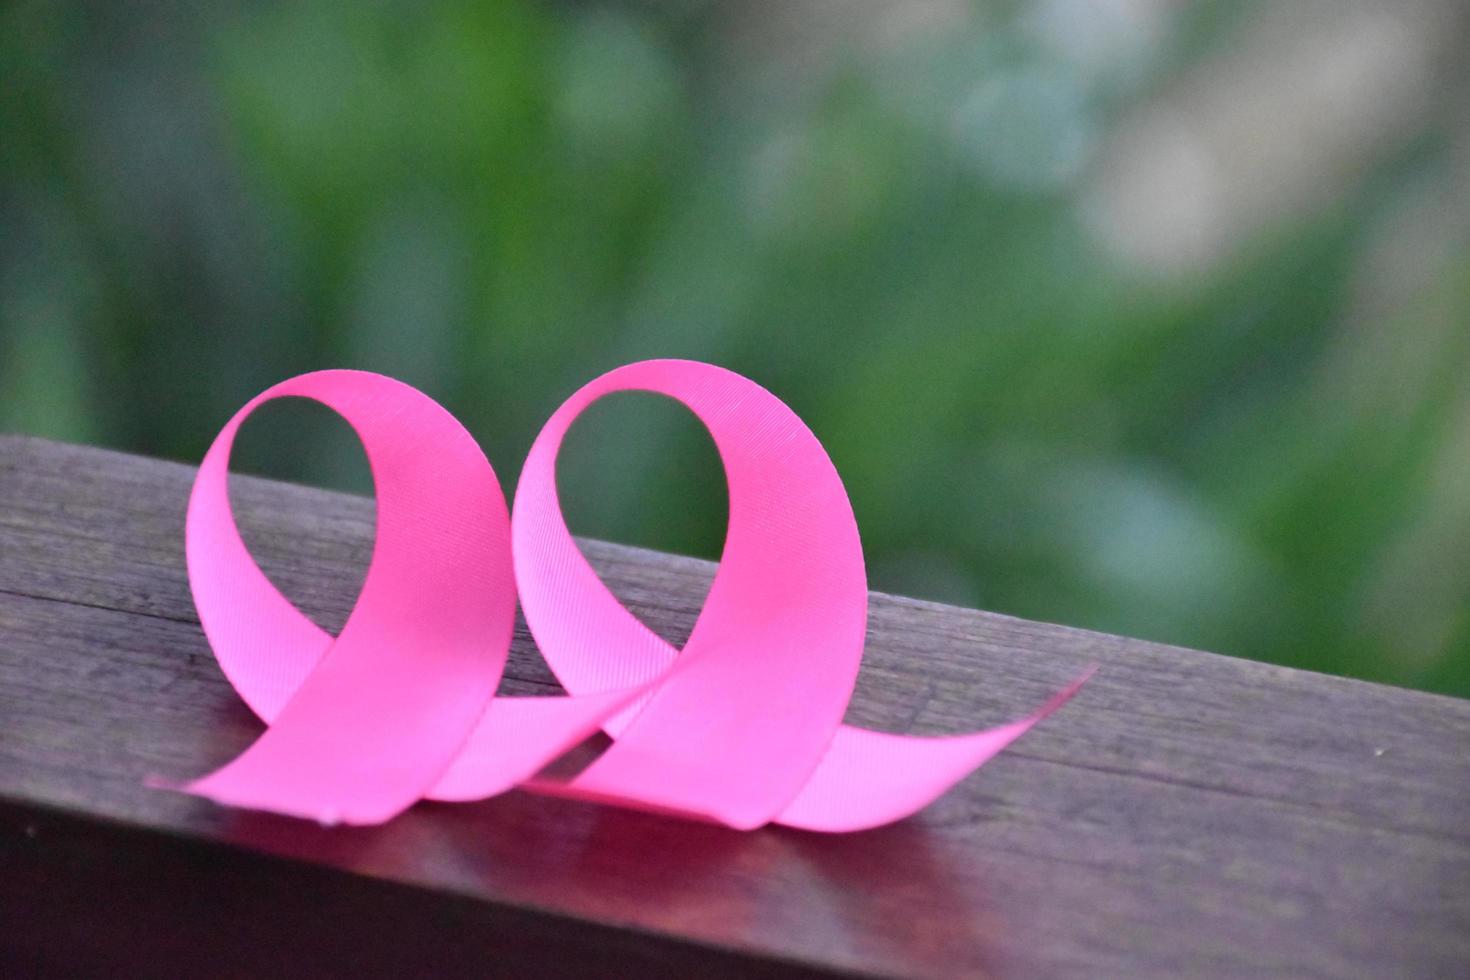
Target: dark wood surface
<point x="1186" y="814"/>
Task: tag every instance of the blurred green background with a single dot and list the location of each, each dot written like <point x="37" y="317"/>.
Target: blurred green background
<point x="1135" y="315"/>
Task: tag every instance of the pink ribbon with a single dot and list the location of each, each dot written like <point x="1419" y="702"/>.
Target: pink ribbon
<point x="743" y="726"/>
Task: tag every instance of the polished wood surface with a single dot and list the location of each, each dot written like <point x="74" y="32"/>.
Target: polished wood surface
<point x="1185" y="814"/>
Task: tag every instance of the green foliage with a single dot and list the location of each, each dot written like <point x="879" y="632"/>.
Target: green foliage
<point x="497" y="201"/>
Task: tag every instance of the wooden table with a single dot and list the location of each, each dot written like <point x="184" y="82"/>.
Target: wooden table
<point x="1186" y="814"/>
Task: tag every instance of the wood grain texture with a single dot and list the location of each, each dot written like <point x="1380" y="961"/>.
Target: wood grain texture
<point x="1186" y="814"/>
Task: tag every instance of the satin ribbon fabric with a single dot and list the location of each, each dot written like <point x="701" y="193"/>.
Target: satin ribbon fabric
<point x="743" y="726"/>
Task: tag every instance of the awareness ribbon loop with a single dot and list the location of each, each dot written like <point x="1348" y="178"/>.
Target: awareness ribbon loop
<point x="743" y="726"/>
